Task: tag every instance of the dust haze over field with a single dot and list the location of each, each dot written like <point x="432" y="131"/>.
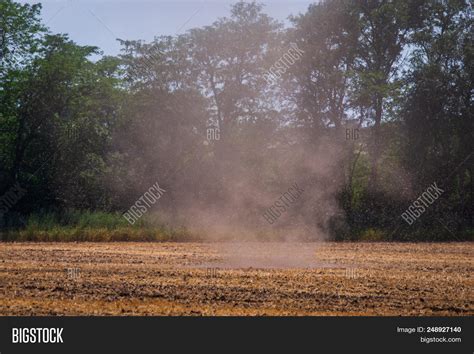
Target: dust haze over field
<point x="236" y="216"/>
<point x="239" y="210"/>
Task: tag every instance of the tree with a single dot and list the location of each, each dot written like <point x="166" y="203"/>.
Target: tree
<point x="20" y="35"/>
<point x="384" y="31"/>
<point x="437" y="113"/>
<point x="230" y="59"/>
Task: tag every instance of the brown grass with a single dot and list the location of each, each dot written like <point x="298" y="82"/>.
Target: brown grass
<point x="173" y="279"/>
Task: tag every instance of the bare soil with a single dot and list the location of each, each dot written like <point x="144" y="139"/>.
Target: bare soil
<point x="275" y="279"/>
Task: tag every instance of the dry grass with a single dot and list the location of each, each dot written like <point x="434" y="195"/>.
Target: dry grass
<point x="173" y="279"/>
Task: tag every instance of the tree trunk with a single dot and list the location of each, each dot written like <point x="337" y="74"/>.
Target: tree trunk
<point x="375" y="153"/>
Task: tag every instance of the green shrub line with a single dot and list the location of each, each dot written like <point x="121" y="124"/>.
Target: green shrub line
<point x="99" y="226"/>
<point x="90" y="226"/>
<point x="68" y="234"/>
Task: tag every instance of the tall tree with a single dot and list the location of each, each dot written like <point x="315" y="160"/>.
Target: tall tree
<point x="327" y="35"/>
<point x="438" y="111"/>
<point x="384" y="30"/>
<point x="20" y="38"/>
<point x="230" y="58"/>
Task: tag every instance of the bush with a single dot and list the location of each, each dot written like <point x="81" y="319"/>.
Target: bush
<point x="91" y="226"/>
<point x="372" y="235"/>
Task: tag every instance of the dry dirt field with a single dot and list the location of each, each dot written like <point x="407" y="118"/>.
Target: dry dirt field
<point x="236" y="279"/>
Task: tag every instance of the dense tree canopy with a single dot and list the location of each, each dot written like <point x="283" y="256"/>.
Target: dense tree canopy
<point x="376" y="107"/>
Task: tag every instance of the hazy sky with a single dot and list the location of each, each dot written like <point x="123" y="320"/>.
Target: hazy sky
<point x="100" y="22"/>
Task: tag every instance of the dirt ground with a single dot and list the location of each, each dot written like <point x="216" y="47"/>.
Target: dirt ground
<point x="236" y="279"/>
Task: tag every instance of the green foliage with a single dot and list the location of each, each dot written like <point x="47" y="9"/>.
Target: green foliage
<point x="87" y="138"/>
<point x="372" y="235"/>
<point x="75" y="225"/>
